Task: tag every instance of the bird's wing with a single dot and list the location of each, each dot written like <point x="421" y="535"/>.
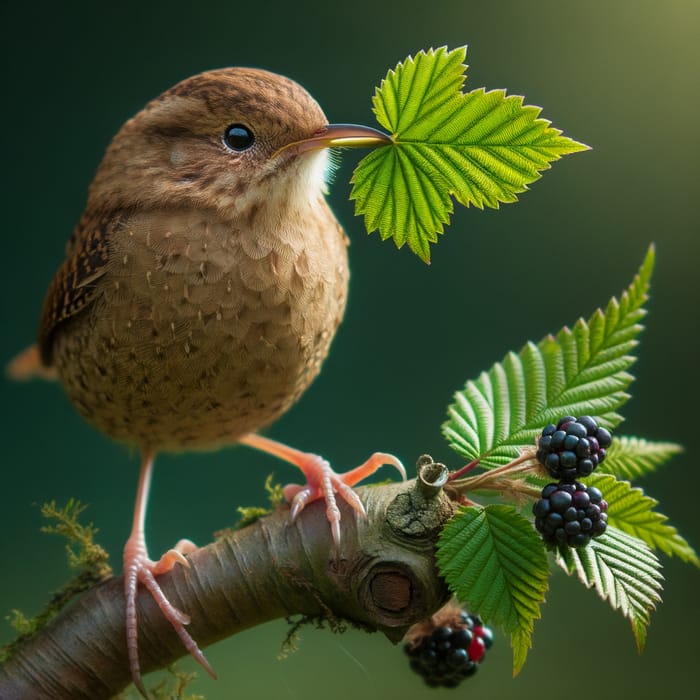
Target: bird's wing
<point x="77" y="281"/>
<point x="168" y="239"/>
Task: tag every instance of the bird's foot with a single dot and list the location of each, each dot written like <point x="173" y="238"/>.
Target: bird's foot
<point x="322" y="481"/>
<point x="138" y="568"/>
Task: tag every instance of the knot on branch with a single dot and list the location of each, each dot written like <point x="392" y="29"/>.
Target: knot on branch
<point x="421" y="512"/>
<point x="384" y="578"/>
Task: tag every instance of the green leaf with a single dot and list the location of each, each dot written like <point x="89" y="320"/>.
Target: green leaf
<point x="417" y="88"/>
<point x="493" y="559"/>
<point x="579" y="371"/>
<point x="631" y="511"/>
<point x="623" y="571"/>
<point x="400" y="199"/>
<point x="482" y="147"/>
<point x="632" y="457"/>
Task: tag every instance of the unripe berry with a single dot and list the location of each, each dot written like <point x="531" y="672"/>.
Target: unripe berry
<point x="447" y="655"/>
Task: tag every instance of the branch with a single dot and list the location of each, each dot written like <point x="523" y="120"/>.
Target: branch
<point x="385" y="580"/>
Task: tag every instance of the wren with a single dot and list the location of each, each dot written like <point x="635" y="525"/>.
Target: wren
<point x="201" y="290"/>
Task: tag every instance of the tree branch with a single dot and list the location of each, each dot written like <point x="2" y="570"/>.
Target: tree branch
<point x="385" y="580"/>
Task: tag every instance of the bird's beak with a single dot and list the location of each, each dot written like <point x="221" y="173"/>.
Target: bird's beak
<point x="340" y="136"/>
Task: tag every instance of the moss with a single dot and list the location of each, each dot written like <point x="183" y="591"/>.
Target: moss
<point x="85" y="556"/>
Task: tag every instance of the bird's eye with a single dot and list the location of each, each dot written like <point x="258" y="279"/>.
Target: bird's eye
<point x="238" y="137"/>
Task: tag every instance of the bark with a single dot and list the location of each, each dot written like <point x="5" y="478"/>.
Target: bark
<point x="385" y="579"/>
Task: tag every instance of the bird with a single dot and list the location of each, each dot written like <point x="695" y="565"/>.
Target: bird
<point x="200" y="293"/>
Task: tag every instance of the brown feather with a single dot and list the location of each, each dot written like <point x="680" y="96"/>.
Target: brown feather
<point x="77" y="281"/>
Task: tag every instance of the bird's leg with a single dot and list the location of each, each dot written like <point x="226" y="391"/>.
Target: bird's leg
<point x="321" y="480"/>
<point x="139" y="568"/>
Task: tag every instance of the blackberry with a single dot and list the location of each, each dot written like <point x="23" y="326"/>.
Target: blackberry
<point x="570" y="514"/>
<point x="572" y="448"/>
<point x="445" y="654"/>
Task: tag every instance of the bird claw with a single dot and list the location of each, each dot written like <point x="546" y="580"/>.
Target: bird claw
<point x="378" y="459"/>
<point x="323" y="482"/>
<point x="173" y="556"/>
<point x="138" y="568"/>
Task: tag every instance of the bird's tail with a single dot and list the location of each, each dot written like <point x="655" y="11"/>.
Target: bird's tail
<point x="28" y="365"/>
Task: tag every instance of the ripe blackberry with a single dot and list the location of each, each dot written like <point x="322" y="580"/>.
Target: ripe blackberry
<point x="570" y="514"/>
<point x="572" y="448"/>
<point x="445" y="654"/>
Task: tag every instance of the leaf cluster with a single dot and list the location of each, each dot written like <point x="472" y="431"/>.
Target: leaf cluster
<point x="491" y="556"/>
<point x="480" y="148"/>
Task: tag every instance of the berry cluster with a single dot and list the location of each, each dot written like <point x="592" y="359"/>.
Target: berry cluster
<point x="570" y="513"/>
<point x="573" y="447"/>
<point x="449" y="654"/>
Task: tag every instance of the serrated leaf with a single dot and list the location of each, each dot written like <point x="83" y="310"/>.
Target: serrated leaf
<point x="632" y="457"/>
<point x="482" y="147"/>
<point x="418" y="87"/>
<point x="623" y="571"/>
<point x="579" y="371"/>
<point x="631" y="511"/>
<point x="493" y="559"/>
<point x="413" y="210"/>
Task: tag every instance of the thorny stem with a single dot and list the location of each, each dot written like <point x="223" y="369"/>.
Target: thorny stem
<point x="516" y="486"/>
<point x="494" y="478"/>
<point x="455" y="475"/>
<point x="463" y="470"/>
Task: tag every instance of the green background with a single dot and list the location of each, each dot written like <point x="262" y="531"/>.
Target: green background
<point x="620" y="76"/>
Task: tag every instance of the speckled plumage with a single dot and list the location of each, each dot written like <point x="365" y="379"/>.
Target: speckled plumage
<point x="193" y="307"/>
<point x="201" y="291"/>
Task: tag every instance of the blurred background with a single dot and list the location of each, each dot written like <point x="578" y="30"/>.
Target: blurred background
<point x="618" y="76"/>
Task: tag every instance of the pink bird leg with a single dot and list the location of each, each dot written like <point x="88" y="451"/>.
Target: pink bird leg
<point x="139" y="568"/>
<point x="321" y="480"/>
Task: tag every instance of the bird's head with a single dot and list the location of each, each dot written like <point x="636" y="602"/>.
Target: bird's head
<point x="237" y="139"/>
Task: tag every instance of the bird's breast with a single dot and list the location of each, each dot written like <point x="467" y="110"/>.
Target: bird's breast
<point x="205" y="329"/>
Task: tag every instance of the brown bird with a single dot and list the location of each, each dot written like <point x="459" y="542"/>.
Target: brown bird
<point x="201" y="290"/>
